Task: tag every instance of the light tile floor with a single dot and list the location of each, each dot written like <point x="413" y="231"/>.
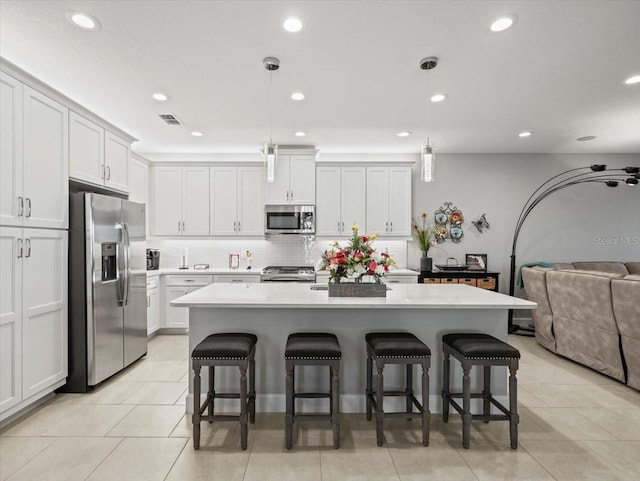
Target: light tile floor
<point x="575" y="425"/>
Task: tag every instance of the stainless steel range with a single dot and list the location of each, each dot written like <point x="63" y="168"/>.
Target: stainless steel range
<point x="288" y="274"/>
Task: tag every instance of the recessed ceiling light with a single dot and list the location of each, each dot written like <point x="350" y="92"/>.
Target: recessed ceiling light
<point x="586" y="138"/>
<point x="438" y="97"/>
<point x="292" y="24"/>
<point x="297" y="96"/>
<point x="195" y="133"/>
<point x="404" y="133"/>
<point x="160" y="97"/>
<point x="633" y="80"/>
<point x="83" y="20"/>
<point x="300" y="133"/>
<point x="503" y="23"/>
<point x="526" y="133"/>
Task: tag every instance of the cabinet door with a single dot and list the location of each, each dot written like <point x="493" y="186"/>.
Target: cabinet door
<point x="353" y="204"/>
<point x="328" y="219"/>
<point x="250" y="201"/>
<point x="302" y="179"/>
<point x="377" y="200"/>
<point x="116" y="160"/>
<point x="44" y="330"/>
<point x="175" y="316"/>
<point x="86" y="150"/>
<point x="277" y="192"/>
<point x="167" y="200"/>
<point x="195" y="201"/>
<point x="222" y="207"/>
<point x="153" y="311"/>
<point x="46" y="162"/>
<point x="10" y="151"/>
<point x="11" y="252"/>
<point x="400" y="201"/>
<point x="139" y="186"/>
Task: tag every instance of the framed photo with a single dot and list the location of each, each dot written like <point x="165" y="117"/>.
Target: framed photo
<point x="476" y="262"/>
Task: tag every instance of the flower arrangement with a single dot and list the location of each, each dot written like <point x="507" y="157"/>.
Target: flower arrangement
<point x="423" y="234"/>
<point x="357" y="259"/>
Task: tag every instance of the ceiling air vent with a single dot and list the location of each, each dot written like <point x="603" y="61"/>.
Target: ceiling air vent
<point x="170" y="119"/>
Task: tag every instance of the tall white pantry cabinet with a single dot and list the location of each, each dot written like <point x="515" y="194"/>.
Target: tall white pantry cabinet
<point x="34" y="155"/>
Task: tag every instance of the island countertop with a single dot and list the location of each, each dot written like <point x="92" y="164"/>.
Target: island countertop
<point x="302" y="295"/>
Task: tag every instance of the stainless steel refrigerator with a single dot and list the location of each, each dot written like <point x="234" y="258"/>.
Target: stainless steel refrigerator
<point x="107" y="288"/>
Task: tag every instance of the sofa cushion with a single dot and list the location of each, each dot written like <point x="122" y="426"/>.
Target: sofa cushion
<point x="535" y="286"/>
<point x="626" y="307"/>
<point x="633" y="267"/>
<point x="583" y="321"/>
<point x="602" y="266"/>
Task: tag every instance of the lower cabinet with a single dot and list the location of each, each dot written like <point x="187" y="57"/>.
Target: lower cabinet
<point x="153" y="306"/>
<point x="33" y="315"/>
<point x="177" y="286"/>
<point x="237" y="279"/>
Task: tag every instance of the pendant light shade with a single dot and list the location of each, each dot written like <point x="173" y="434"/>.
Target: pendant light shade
<point x="270" y="151"/>
<point x="426" y="165"/>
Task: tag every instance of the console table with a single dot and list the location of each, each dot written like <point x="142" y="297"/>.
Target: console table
<point x="484" y="280"/>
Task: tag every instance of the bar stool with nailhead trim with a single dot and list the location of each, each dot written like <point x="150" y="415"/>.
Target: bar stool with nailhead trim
<point x="397" y="348"/>
<point x="475" y="349"/>
<point x="225" y="349"/>
<point x="313" y="349"/>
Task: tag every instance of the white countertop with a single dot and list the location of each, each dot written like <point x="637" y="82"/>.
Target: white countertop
<point x="407" y="296"/>
<point x="211" y="271"/>
<point x="394" y="272"/>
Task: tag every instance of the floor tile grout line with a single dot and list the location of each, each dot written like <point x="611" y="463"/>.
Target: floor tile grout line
<point x="104" y="459"/>
<point x="524" y="447"/>
<point x="184" y="446"/>
<point x="618" y="468"/>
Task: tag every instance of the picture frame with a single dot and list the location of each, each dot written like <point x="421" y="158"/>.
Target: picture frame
<point x="476" y="262"/>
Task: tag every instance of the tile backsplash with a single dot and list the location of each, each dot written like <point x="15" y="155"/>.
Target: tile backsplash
<point x="277" y="250"/>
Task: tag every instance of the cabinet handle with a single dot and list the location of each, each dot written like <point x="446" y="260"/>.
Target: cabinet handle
<point x="287" y="195"/>
<point x="20" y="206"/>
<point x="178" y="226"/>
<point x="189" y="280"/>
<point x="339" y="227"/>
<point x="20" y="249"/>
<point x="103" y="171"/>
<point x="108" y="172"/>
<point x="386" y="227"/>
<point x="28" y="244"/>
<point x="343" y="227"/>
<point x="238" y="226"/>
<point x="291" y="195"/>
<point x="391" y="226"/>
<point x="148" y="301"/>
<point x="28" y="204"/>
<point x="183" y="223"/>
<point x="235" y="226"/>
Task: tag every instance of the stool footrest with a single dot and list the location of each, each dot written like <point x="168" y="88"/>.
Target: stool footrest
<point x="312" y="417"/>
<point x="311" y="395"/>
<point x="473" y="395"/>
<point x="221" y="417"/>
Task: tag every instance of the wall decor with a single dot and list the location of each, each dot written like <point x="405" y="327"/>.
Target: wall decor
<point x="481" y="223"/>
<point x="476" y="262"/>
<point x="448" y="221"/>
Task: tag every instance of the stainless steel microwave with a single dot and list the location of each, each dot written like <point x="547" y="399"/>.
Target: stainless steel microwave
<point x="289" y="219"/>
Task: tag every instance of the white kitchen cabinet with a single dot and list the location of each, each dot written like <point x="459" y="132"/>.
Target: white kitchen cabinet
<point x="177" y="286"/>
<point x="181" y="201"/>
<point x="33" y="315"/>
<point x="295" y="181"/>
<point x="237" y="278"/>
<point x="236" y="201"/>
<point x="335" y="214"/>
<point x="35" y="158"/>
<point x="389" y="201"/>
<point x="153" y="305"/>
<point x="400" y="279"/>
<point x="97" y="156"/>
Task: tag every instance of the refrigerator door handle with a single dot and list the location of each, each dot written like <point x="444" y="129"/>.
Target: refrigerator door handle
<point x="125" y="243"/>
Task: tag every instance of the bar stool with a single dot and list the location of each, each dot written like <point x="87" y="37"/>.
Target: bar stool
<point x="473" y="349"/>
<point x="397" y="348"/>
<point x="313" y="349"/>
<point x="225" y="349"/>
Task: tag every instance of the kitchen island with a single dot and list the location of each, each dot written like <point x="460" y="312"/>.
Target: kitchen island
<point x="273" y="311"/>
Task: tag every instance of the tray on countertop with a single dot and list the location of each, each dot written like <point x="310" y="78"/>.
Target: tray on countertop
<point x="452" y="268"/>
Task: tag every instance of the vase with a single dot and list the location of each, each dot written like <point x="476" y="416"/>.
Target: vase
<point x="426" y="263"/>
<point x="357" y="289"/>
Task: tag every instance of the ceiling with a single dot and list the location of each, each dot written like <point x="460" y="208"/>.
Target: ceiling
<point x="559" y="72"/>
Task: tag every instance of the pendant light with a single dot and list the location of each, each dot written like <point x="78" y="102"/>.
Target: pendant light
<point x="270" y="151"/>
<point x="427" y="157"/>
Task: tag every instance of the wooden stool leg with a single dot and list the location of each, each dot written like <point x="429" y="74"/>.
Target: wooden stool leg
<point x="486" y="393"/>
<point x="252" y="390"/>
<point x="426" y="414"/>
<point x="195" y="418"/>
<point x="409" y="389"/>
<point x="211" y="394"/>
<point x="289" y="405"/>
<point x="379" y="402"/>
<point x="466" y="406"/>
<point x="243" y="406"/>
<point x="513" y="404"/>
<point x="335" y="403"/>
<point x="369" y="386"/>
<point x="446" y="382"/>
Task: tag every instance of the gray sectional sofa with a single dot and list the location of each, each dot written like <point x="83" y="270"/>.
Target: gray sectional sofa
<point x="590" y="312"/>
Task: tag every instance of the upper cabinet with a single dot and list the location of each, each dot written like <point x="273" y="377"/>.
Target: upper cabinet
<point x="335" y="214"/>
<point x="97" y="156"/>
<point x="389" y="201"/>
<point x="34" y="158"/>
<point x="295" y="181"/>
<point x="236" y="201"/>
<point x="181" y="201"/>
<point x="139" y="185"/>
